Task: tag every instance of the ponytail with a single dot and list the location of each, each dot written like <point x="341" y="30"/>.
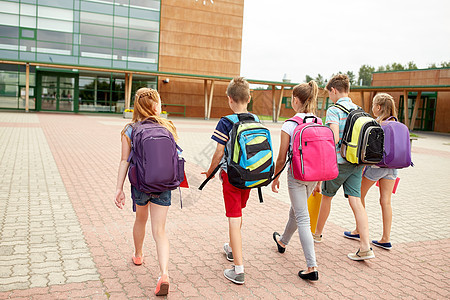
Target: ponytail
<point x="307" y="95"/>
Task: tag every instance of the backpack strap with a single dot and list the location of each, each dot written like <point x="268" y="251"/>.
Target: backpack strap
<point x="343" y="108"/>
<point x="209" y="177"/>
<point x="234" y="118"/>
<point x="392" y="117"/>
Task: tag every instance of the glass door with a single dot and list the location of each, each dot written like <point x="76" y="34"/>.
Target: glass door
<point x="57" y="91"/>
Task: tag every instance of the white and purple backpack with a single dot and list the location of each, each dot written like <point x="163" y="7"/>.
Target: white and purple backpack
<point x="397" y="145"/>
<point x="313" y="156"/>
<point x="155" y="166"/>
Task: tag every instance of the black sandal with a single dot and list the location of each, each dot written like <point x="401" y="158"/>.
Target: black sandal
<point x="281" y="249"/>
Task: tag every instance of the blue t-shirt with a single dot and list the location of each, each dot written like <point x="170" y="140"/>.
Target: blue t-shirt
<point x="339" y="117"/>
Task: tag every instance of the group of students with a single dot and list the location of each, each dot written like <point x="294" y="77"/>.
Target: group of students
<point x="355" y="181"/>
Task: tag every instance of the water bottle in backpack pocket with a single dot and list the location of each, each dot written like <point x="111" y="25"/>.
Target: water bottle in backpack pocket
<point x="313" y="156"/>
<point x="397" y="145"/>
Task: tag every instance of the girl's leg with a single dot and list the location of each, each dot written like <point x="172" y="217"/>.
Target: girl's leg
<point x="362" y="223"/>
<point x="386" y="187"/>
<point x="289" y="230"/>
<point x="324" y="212"/>
<point x="298" y="194"/>
<point x="139" y="229"/>
<point x="158" y="215"/>
<point x="366" y="184"/>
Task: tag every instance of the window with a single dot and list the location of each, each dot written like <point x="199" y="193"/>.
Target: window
<point x="26" y="33"/>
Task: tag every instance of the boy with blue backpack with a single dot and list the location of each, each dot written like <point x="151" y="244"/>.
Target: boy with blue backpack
<point x="244" y="155"/>
<point x="349" y="173"/>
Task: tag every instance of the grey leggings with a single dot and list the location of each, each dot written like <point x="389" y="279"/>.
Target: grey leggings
<point x="299" y="191"/>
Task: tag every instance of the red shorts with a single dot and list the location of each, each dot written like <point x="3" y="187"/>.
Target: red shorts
<point x="235" y="199"/>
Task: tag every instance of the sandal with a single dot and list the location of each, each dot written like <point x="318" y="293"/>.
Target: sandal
<point x="162" y="287"/>
<point x="138" y="260"/>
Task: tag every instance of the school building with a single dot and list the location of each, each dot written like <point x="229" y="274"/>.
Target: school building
<point x="92" y="55"/>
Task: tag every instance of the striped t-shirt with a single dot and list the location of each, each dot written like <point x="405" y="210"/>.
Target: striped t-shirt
<point x="338" y="117"/>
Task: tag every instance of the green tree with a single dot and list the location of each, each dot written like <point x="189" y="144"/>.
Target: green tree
<point x="351" y="77"/>
<point x="397" y="67"/>
<point x="308" y="78"/>
<point x="445" y="64"/>
<point x="319" y="80"/>
<point x="432" y="66"/>
<point x="411" y="65"/>
<point x="365" y="74"/>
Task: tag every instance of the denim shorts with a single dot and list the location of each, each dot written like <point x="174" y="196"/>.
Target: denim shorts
<point x="349" y="177"/>
<point x="376" y="174"/>
<point x="142" y="199"/>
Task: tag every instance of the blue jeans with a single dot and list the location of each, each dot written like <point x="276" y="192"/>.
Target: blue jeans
<point x="142" y="199"/>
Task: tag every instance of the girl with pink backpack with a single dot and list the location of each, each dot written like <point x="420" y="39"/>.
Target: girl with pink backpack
<point x="148" y="198"/>
<point x="302" y="179"/>
<point x="397" y="155"/>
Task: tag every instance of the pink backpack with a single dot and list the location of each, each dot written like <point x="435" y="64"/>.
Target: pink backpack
<point x="313" y="156"/>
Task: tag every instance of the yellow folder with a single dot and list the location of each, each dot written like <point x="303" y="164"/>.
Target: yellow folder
<point x="313" y="208"/>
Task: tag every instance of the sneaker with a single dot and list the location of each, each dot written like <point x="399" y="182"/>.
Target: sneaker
<point x="231" y="275"/>
<point x="362" y="255"/>
<point x="349" y="235"/>
<point x="162" y="287"/>
<point x="228" y="253"/>
<point x="317" y="238"/>
<point x="387" y="246"/>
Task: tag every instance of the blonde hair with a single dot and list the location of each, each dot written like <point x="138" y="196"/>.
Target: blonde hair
<point x="239" y="90"/>
<point x="387" y="106"/>
<point x="307" y="95"/>
<point x="144" y="101"/>
<point x="340" y="82"/>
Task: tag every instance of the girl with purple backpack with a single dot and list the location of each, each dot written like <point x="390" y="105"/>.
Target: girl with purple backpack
<point x="147" y="106"/>
<point x="304" y="101"/>
<point x="383" y="108"/>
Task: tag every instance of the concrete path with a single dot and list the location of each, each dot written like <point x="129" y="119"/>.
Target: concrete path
<point x="61" y="235"/>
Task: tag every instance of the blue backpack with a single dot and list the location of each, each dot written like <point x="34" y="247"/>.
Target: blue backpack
<point x="155" y="166"/>
<point x="248" y="154"/>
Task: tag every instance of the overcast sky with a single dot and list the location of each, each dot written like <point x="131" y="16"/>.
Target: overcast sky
<point x="327" y="36"/>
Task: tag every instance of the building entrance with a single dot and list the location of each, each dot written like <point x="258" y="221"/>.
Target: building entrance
<point x="57" y="91"/>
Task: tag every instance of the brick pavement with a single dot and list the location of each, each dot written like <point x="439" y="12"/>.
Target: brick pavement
<point x="62" y="236"/>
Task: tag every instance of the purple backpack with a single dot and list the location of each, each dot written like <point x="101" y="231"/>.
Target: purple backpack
<point x="154" y="163"/>
<point x="397" y="146"/>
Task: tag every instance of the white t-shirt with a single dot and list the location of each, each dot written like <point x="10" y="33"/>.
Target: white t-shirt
<point x="289" y="126"/>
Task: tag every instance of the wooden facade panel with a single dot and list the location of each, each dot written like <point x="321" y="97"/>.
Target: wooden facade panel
<point x="198" y="39"/>
<point x="233" y="8"/>
<point x="428" y="75"/>
<point x="445" y="73"/>
<point x="193" y="52"/>
<point x="201" y="67"/>
<point x="171" y="25"/>
<point x="209" y="17"/>
<point x="442" y="121"/>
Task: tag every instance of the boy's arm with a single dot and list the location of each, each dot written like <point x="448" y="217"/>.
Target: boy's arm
<point x="215" y="161"/>
<point x="332" y="120"/>
<point x="335" y="128"/>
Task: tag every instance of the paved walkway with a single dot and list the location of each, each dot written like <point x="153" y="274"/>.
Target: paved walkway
<point x="62" y="237"/>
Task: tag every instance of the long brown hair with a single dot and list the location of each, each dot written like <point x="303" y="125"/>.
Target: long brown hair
<point x="144" y="100"/>
<point x="387" y="106"/>
<point x="307" y="94"/>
